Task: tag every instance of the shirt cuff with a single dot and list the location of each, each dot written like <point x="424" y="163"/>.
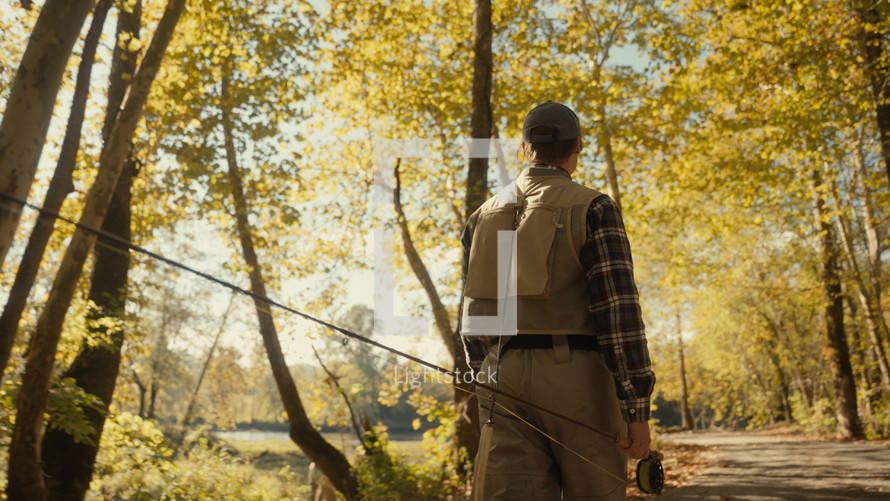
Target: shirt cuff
<point x="635" y="409"/>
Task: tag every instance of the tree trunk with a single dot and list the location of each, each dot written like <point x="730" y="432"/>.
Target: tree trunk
<point x="872" y="17"/>
<point x="762" y="383"/>
<point x="786" y="397"/>
<point x="866" y="300"/>
<point x="187" y="416"/>
<point x="784" y="386"/>
<point x="836" y="349"/>
<point x="481" y="122"/>
<point x="153" y="397"/>
<point x="142" y="394"/>
<point x="866" y="361"/>
<point x="29" y="107"/>
<point x="784" y="391"/>
<point x="611" y="171"/>
<point x="685" y="412"/>
<point x="599" y="46"/>
<point x="68" y="465"/>
<point x="329" y="460"/>
<point x="59" y="187"/>
<point x="440" y="313"/>
<point x="480" y="110"/>
<point x="467" y="427"/>
<point x="873" y="242"/>
<point x="806" y="383"/>
<point x="25" y="474"/>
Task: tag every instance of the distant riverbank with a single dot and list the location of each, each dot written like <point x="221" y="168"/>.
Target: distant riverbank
<point x="256" y="435"/>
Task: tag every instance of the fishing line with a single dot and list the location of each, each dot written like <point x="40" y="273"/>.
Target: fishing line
<point x="455" y="375"/>
<point x="406" y="368"/>
<point x="552" y="438"/>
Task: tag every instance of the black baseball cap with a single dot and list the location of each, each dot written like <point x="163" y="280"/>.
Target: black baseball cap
<point x="559" y="117"/>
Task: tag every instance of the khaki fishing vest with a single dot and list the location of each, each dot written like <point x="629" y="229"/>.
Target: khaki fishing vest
<point x="548" y="212"/>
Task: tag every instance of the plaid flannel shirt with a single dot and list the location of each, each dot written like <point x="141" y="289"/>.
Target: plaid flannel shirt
<point x="614" y="303"/>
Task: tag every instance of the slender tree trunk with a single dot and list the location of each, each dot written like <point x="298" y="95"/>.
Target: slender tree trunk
<point x="29" y="108"/>
<point x="468" y="427"/>
<point x="762" y="383"/>
<point x="481" y="125"/>
<point x="501" y="158"/>
<point x="480" y="111"/>
<point x="68" y="465"/>
<point x="777" y="363"/>
<point x="611" y="171"/>
<point x="836" y="349"/>
<point x="866" y="300"/>
<point x="187" y="416"/>
<point x="806" y="382"/>
<point x="872" y="17"/>
<point x="153" y="396"/>
<point x="329" y="460"/>
<point x="467" y="432"/>
<point x="866" y="361"/>
<point x="784" y="392"/>
<point x="359" y="429"/>
<point x="143" y="391"/>
<point x="873" y="242"/>
<point x="60" y="186"/>
<point x="440" y="313"/>
<point x="25" y="473"/>
<point x="786" y="397"/>
<point x="685" y="412"/>
<point x="598" y="54"/>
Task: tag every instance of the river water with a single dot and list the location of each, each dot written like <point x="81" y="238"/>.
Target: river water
<point x="252" y="435"/>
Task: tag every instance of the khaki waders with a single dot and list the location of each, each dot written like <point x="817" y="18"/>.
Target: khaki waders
<point x="523" y="464"/>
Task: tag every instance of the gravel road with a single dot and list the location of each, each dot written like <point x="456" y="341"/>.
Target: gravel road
<point x="760" y="466"/>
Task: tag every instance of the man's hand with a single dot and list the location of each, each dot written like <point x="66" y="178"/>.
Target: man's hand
<point x="639" y="440"/>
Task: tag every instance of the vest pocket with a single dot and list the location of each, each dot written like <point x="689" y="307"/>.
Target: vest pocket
<point x="535" y="242"/>
<point x="536" y="234"/>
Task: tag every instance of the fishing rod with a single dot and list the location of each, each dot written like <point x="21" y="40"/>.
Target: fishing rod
<point x="352" y="335"/>
<point x="623" y="442"/>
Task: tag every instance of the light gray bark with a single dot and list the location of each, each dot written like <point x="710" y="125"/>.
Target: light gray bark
<point x="59" y="187"/>
<point x="29" y="108"/>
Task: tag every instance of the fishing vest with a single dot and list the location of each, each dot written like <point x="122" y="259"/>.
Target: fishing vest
<point x="548" y="212"/>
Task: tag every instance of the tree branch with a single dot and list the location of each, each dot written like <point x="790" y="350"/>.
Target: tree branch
<point x="443" y="323"/>
<point x="336" y="384"/>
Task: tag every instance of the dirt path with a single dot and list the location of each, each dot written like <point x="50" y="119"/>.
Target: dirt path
<point x="761" y="466"/>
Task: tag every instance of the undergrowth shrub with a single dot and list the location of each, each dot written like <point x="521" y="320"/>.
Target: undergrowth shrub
<point x="136" y="463"/>
<point x="818" y="418"/>
<point x="384" y="474"/>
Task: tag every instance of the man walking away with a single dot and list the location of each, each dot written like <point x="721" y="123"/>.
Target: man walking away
<point x="577" y="345"/>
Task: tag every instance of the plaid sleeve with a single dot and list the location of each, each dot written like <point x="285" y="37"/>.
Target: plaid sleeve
<point x="615" y="306"/>
<point x="475" y="347"/>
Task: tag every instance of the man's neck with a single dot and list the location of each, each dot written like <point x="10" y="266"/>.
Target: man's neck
<point x="549" y="166"/>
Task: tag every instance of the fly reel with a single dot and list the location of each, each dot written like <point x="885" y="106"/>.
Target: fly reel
<point x="650" y="474"/>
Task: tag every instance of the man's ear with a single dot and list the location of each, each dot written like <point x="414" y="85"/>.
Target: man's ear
<point x="525" y="149"/>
